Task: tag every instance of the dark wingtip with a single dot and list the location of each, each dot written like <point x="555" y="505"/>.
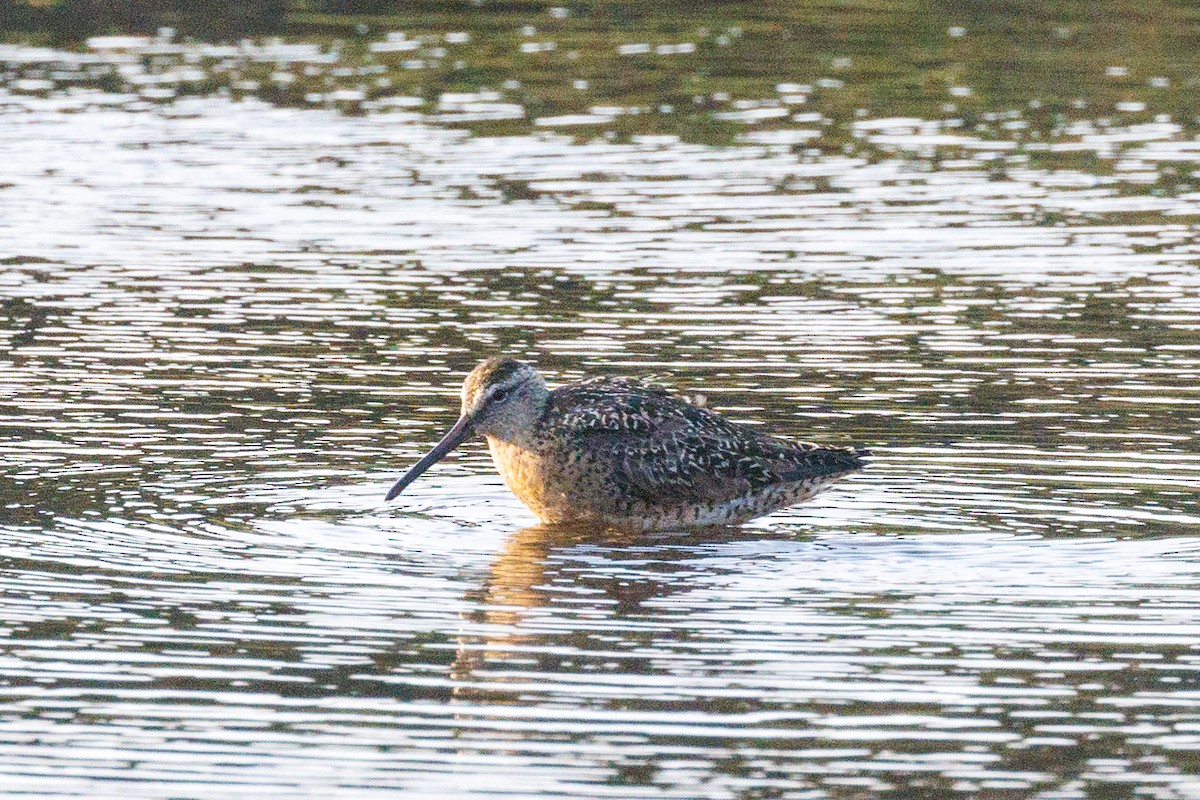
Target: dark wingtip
<point x="852" y="458"/>
<point x="844" y="459"/>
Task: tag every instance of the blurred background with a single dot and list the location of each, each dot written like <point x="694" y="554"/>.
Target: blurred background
<point x="1048" y="61"/>
<point x="248" y="251"/>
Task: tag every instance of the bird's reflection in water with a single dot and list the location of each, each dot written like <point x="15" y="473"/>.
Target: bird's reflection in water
<point x="581" y="599"/>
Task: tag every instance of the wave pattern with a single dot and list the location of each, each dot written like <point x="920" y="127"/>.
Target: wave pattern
<point x="226" y="327"/>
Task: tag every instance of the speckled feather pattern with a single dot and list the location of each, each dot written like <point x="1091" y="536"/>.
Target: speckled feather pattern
<point x="629" y="454"/>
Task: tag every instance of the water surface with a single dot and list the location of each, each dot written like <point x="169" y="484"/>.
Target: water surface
<point x="227" y="327"/>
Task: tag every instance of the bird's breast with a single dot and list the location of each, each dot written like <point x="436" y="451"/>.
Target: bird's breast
<point x="555" y="487"/>
<point x="532" y="477"/>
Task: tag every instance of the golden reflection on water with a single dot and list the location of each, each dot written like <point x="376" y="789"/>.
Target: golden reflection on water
<point x="521" y="579"/>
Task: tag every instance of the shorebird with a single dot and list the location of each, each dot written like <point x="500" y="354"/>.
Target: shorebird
<point x="629" y="455"/>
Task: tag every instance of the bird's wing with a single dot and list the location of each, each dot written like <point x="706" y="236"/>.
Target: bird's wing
<point x="661" y="448"/>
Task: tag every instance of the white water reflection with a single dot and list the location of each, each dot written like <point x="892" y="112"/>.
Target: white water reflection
<point x="945" y="655"/>
<point x="227" y="326"/>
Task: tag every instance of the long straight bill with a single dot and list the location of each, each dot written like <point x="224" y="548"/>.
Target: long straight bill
<point x="452" y="439"/>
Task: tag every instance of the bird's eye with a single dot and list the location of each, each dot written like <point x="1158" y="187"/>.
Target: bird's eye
<point x="499" y="395"/>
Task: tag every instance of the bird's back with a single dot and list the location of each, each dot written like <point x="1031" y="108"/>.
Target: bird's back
<point x="632" y="451"/>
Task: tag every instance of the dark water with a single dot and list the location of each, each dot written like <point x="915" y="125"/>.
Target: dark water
<point x="227" y="327"/>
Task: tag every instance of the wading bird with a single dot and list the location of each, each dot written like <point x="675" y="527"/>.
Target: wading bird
<point x="629" y="455"/>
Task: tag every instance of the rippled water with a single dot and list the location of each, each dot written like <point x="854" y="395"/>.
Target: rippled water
<point x="227" y="328"/>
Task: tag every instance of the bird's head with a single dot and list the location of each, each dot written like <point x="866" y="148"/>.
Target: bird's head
<point x="502" y="398"/>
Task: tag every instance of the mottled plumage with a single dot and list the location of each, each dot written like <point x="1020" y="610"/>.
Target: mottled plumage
<point x="626" y="454"/>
